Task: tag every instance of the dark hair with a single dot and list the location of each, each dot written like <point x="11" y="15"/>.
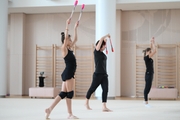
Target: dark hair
<point x="103" y="43"/>
<point x="62" y="37"/>
<point x="146" y="50"/>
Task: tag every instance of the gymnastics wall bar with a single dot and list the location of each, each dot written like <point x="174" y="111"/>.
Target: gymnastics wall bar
<point x="85" y="69"/>
<point x="140" y="69"/>
<point x="167" y="65"/>
<point x="44" y="63"/>
<point x="178" y="85"/>
<point x="58" y="66"/>
<point x="50" y="61"/>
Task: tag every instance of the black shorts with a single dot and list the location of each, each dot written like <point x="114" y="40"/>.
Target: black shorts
<point x="68" y="74"/>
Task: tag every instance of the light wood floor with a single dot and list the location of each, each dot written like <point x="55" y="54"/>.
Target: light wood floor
<point x="25" y="108"/>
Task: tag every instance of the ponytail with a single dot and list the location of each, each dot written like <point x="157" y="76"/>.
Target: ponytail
<point x="63" y="37"/>
<point x="146" y="50"/>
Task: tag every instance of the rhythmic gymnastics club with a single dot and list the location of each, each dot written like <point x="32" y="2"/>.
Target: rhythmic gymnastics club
<point x="111" y="45"/>
<point x="82" y="8"/>
<point x="75" y="4"/>
<point x="106" y="50"/>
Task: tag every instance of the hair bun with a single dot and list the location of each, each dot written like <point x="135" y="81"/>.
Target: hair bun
<point x="62" y="33"/>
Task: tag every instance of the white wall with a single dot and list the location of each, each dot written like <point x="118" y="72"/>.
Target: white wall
<point x="16" y="53"/>
<point x="35" y="3"/>
<point x="138" y="27"/>
<point x="44" y="30"/>
<point x="145" y="1"/>
<point x="44" y="3"/>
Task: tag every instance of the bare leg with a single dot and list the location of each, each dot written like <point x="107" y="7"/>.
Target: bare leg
<point x="48" y="110"/>
<point x="87" y="104"/>
<point x="105" y="109"/>
<point x="56" y="101"/>
<point x="71" y="116"/>
<point x="70" y="87"/>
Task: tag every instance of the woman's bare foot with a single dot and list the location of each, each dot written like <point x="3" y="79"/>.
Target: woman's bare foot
<point x="87" y="107"/>
<point x="87" y="104"/>
<point x="72" y="117"/>
<point x="106" y="110"/>
<point x="47" y="111"/>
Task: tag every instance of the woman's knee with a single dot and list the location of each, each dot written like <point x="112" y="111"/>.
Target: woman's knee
<point x="70" y="94"/>
<point x="63" y="94"/>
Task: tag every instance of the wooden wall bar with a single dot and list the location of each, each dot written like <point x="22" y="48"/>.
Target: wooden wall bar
<point x="166" y="67"/>
<point x="50" y="61"/>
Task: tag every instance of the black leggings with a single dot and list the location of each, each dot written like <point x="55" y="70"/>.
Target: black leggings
<point x="97" y="80"/>
<point x="148" y="80"/>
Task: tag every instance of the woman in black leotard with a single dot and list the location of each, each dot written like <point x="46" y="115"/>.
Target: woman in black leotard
<point x="148" y="54"/>
<point x="68" y="73"/>
<point x="100" y="76"/>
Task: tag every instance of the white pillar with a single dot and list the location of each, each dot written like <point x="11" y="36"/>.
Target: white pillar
<point x="3" y="46"/>
<point x="106" y="23"/>
<point x="17" y="34"/>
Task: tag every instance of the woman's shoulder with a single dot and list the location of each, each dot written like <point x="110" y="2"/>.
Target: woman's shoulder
<point x="146" y="57"/>
<point x="97" y="51"/>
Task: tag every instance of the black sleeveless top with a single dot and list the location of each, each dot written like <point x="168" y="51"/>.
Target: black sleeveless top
<point x="70" y="68"/>
<point x="100" y="62"/>
<point x="149" y="64"/>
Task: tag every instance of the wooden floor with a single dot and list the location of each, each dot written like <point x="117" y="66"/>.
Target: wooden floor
<point x="25" y="108"/>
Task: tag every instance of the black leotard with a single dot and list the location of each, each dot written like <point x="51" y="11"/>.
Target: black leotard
<point x="70" y="69"/>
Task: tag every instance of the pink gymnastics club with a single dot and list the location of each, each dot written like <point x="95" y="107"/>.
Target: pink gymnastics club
<point x="82" y="7"/>
<point x="152" y="39"/>
<point x="111" y="45"/>
<point x="75" y="4"/>
<point x="106" y="50"/>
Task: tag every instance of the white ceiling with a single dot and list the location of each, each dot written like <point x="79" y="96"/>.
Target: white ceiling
<point x="91" y="8"/>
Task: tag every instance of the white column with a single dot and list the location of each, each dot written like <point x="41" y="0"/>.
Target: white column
<point x="106" y="23"/>
<point x="117" y="46"/>
<point x="3" y="46"/>
<point x="16" y="41"/>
